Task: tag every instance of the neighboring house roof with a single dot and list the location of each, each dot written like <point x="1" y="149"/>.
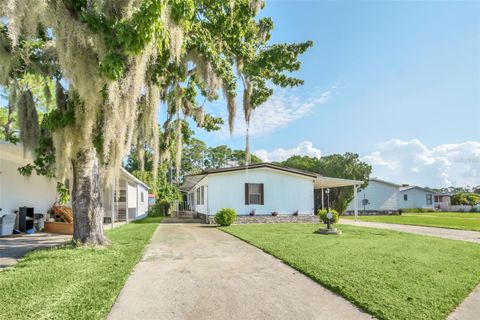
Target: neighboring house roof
<point x="415" y="187"/>
<point x="320" y="181"/>
<point x="132" y="177"/>
<point x="385" y="182"/>
<point x="444" y="194"/>
<point x="12" y="152"/>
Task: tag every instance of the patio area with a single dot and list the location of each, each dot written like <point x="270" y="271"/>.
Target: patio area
<point x="15" y="247"/>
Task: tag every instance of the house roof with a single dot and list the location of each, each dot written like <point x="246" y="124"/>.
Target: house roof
<point x="386" y="182"/>
<point x="259" y="165"/>
<point x="320" y="181"/>
<point x="415" y="187"/>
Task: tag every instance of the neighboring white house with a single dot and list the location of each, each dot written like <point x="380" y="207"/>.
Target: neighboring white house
<point x="415" y="197"/>
<point x="383" y="197"/>
<point x="378" y="196"/>
<point x="263" y="188"/>
<point x="40" y="192"/>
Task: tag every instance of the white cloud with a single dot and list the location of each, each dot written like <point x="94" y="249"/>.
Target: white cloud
<point x="415" y="163"/>
<point x="304" y="148"/>
<point x="279" y="111"/>
<point x="407" y="161"/>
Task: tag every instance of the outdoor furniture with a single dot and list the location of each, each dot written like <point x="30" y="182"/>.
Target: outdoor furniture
<point x="26" y="219"/>
<point x="7" y="222"/>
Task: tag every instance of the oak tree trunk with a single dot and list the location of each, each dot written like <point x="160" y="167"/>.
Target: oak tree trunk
<point x="87" y="206"/>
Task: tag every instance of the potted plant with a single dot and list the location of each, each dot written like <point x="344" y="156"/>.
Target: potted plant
<point x="295" y="213"/>
<point x="252" y="213"/>
<point x="274" y="213"/>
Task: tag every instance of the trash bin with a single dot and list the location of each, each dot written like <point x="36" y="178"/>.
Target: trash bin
<point x="7" y="222"/>
<point x="39" y="221"/>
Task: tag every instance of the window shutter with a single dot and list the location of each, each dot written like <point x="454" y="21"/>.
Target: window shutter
<point x="261" y="194"/>
<point x="246" y="194"/>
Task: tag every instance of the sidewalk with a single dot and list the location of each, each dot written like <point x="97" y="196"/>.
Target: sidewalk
<point x="454" y="234"/>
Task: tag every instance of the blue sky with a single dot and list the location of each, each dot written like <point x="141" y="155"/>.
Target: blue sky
<point x="396" y="82"/>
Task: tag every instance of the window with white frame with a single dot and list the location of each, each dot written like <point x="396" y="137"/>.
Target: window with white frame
<point x="405" y="197"/>
<point x="429" y="199"/>
<point x="201" y="195"/>
<point x="254" y="193"/>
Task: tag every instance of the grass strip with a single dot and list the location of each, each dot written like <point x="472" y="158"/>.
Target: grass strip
<point x="74" y="283"/>
<point x="391" y="275"/>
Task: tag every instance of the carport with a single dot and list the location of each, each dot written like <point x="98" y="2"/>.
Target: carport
<point x="323" y="183"/>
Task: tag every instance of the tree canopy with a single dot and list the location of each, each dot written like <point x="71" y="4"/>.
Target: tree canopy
<point x="113" y="63"/>
<point x="347" y="166"/>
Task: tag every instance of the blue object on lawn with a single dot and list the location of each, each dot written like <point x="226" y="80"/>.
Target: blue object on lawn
<point x="30" y="231"/>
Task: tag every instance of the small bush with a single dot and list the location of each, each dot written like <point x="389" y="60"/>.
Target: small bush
<point x="323" y="215"/>
<point x="158" y="210"/>
<point x="225" y="217"/>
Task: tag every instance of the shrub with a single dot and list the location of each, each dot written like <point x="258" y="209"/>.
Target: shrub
<point x="225" y="217"/>
<point x="323" y="215"/>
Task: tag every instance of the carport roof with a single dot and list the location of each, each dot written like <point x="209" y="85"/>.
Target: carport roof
<point x="320" y="181"/>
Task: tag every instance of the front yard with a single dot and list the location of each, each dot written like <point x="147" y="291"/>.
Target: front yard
<point x="68" y="283"/>
<point x="389" y="274"/>
<point x="451" y="220"/>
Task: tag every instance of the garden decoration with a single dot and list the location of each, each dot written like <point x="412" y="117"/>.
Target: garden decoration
<point x="329" y="218"/>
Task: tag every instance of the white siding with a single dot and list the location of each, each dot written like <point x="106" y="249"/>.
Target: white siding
<point x="382" y="197"/>
<point x="16" y="190"/>
<point x="416" y="198"/>
<point x="202" y="207"/>
<point x="131" y="195"/>
<point x="283" y="192"/>
<point x="142" y="205"/>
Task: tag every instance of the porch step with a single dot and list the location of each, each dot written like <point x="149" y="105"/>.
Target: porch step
<point x="186" y="214"/>
<point x="122" y="215"/>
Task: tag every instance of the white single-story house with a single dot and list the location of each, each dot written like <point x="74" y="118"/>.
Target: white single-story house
<point x="40" y="192"/>
<point x="262" y="188"/>
<point x="379" y="196"/>
<point x="382" y="196"/>
<point x="415" y="197"/>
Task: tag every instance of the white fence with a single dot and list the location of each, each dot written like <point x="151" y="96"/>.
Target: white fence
<point x="460" y="208"/>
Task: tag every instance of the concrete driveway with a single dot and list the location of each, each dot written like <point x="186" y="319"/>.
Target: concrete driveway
<point x="193" y="271"/>
<point x="13" y="248"/>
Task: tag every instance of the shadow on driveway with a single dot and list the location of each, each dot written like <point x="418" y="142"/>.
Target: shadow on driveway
<point x="13" y="248"/>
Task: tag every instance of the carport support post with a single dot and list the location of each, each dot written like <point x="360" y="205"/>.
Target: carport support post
<point x="112" y="216"/>
<point x="126" y="201"/>
<point x="355" y="204"/>
<point x="322" y="198"/>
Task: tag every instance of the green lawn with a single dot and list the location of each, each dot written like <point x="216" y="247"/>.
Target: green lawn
<point x="389" y="274"/>
<point x="69" y="283"/>
<point x="452" y="220"/>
